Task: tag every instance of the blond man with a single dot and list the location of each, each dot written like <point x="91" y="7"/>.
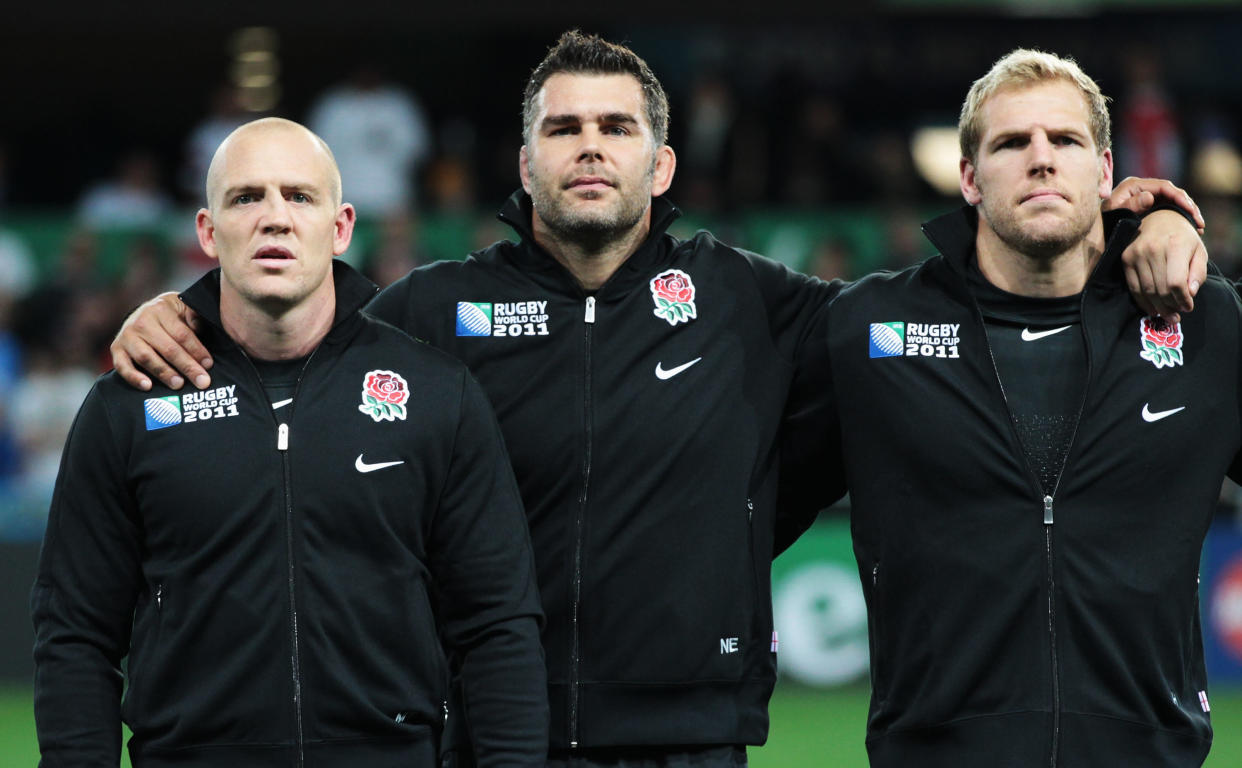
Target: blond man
<point x="1029" y="561"/>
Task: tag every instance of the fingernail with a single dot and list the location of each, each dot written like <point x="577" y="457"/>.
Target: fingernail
<point x="1194" y="285"/>
<point x="205" y="362"/>
<point x="177" y="382"/>
<point x="202" y="380"/>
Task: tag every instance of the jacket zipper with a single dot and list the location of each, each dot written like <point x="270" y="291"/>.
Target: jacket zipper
<point x="282" y="447"/>
<point x="575" y="650"/>
<point x="877" y="638"/>
<point x="295" y="662"/>
<point x="1052" y="630"/>
<point x="1046" y="503"/>
<point x="754" y="566"/>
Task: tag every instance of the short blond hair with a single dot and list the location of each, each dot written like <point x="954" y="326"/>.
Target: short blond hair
<point x="1025" y="67"/>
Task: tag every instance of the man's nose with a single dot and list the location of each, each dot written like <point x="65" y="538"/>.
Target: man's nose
<point x="590" y="148"/>
<point x="1042" y="158"/>
<point x="276" y="216"/>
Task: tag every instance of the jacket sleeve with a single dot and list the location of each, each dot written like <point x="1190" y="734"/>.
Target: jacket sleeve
<point x="812" y="474"/>
<point x="488" y="602"/>
<point x="1235" y="467"/>
<point x="792" y="300"/>
<point x="410" y="302"/>
<point x="83" y="598"/>
<point x="811" y="471"/>
<point x="393" y="304"/>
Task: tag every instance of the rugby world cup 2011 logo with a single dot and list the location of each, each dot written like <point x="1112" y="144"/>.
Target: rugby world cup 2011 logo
<point x="673" y="294"/>
<point x="887" y="339"/>
<point x="474" y="318"/>
<point x="162" y="412"/>
<point x="1161" y="342"/>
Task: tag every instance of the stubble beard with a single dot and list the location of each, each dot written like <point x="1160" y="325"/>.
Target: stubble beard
<point x="590" y="230"/>
<point x="1037" y="241"/>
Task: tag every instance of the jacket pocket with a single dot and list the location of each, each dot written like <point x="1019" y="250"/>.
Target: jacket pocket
<point x="144" y="648"/>
<point x="761" y="651"/>
<point x="876" y="633"/>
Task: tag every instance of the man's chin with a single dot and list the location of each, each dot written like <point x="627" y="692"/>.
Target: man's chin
<point x="274" y="302"/>
<point x="1045" y="244"/>
<point x="592" y="223"/>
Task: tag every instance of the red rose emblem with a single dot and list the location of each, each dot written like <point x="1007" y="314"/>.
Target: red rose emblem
<point x="383" y="396"/>
<point x="386" y="387"/>
<point x="1159" y="332"/>
<point x="673" y="294"/>
<point x="1161" y="342"/>
<point x="673" y="286"/>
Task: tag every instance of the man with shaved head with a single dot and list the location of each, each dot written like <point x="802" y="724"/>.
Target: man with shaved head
<point x="283" y="557"/>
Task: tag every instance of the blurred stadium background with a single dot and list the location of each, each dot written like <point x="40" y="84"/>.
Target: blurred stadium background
<point x="817" y="137"/>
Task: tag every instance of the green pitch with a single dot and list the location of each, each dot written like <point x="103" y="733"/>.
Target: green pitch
<point x="810" y="728"/>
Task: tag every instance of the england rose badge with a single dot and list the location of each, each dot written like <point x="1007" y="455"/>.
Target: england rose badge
<point x="1161" y="342"/>
<point x="384" y="394"/>
<point x="673" y="293"/>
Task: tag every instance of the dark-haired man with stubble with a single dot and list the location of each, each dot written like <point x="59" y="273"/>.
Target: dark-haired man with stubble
<point x="640" y="382"/>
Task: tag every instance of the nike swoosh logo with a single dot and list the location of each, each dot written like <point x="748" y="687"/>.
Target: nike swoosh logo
<point x="1029" y="335"/>
<point x="364" y="467"/>
<point x="662" y="374"/>
<point x="281" y="403"/>
<point x="1149" y="416"/>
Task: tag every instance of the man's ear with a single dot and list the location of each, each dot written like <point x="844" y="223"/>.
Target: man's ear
<point x="524" y="169"/>
<point x="665" y="166"/>
<point x="343" y="232"/>
<point x="966" y="180"/>
<point x="206" y="231"/>
<point x="1106" y="174"/>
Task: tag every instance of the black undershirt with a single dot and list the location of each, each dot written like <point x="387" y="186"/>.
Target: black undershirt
<point x="1041" y="359"/>
<point x="279" y="377"/>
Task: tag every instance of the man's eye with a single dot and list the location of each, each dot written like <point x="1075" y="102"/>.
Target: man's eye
<point x="616" y="130"/>
<point x="564" y="131"/>
<point x="243" y="199"/>
<point x="1065" y="140"/>
<point x="299" y="197"/>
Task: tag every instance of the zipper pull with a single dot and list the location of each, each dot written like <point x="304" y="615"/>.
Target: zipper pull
<point x="282" y="438"/>
<point x="1047" y="510"/>
<point x="590" y="309"/>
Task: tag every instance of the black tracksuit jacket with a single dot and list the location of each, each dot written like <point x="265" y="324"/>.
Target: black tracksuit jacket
<point x="1010" y="629"/>
<point x="645" y="452"/>
<point x="287" y="607"/>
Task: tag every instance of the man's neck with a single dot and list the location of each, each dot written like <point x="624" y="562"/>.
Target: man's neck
<point x="268" y="333"/>
<point x="591" y="263"/>
<point x="1042" y="276"/>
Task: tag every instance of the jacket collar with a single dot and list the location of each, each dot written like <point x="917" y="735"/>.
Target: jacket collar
<point x="953" y="235"/>
<point x="353" y="292"/>
<point x="530" y="257"/>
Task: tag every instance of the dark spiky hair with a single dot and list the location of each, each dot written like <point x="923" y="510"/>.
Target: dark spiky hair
<point x="577" y="53"/>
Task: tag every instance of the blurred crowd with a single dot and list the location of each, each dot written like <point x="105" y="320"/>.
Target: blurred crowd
<point x="782" y="164"/>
